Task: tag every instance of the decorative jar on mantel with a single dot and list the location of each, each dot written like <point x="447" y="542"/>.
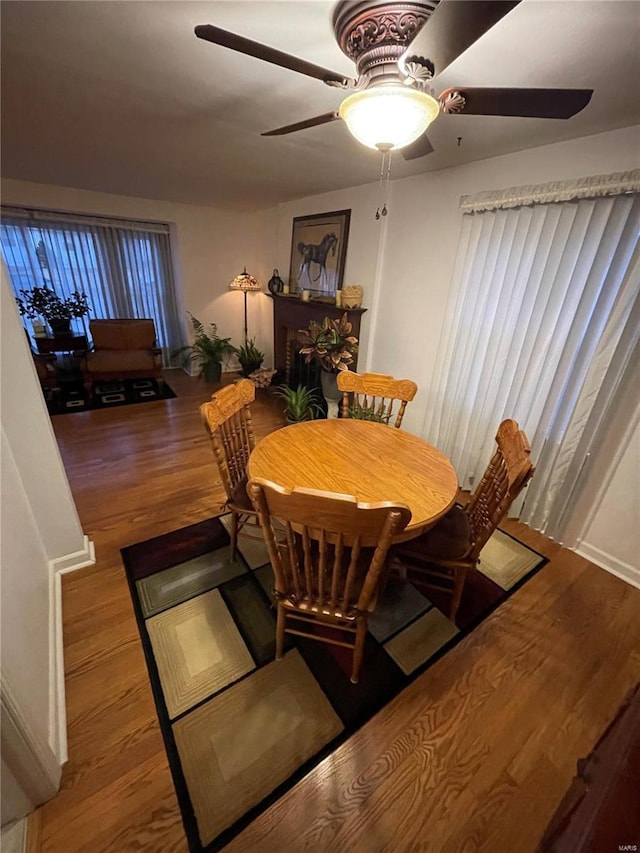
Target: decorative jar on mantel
<point x="351" y="296"/>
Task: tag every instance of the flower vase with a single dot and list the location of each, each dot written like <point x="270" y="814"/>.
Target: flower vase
<point x="329" y="383"/>
<point x="60" y="327"/>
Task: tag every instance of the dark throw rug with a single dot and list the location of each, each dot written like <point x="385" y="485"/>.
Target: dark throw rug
<point x="241" y="728"/>
<point x="73" y="397"/>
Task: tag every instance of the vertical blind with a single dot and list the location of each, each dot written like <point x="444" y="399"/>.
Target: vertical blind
<point x="543" y="328"/>
<point x="124" y="268"/>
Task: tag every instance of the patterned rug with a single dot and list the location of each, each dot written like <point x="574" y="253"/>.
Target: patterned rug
<point x="73" y="397"/>
<point x="241" y="728"/>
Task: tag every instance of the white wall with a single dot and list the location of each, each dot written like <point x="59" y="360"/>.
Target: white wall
<point x="25" y="595"/>
<point x="31" y="439"/>
<point x="424" y="226"/>
<point x="612" y="539"/>
<point x="210" y="246"/>
<point x="366" y="240"/>
<point x="405" y="261"/>
<point x="40" y="530"/>
<point x="606" y="527"/>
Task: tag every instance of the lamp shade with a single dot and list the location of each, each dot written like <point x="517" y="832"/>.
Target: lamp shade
<point x="245" y="282"/>
<point x="388" y="117"/>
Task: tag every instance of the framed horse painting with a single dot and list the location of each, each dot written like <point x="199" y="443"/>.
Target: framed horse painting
<point x="318" y="252"/>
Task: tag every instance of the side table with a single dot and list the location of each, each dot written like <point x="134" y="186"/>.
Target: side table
<point x="61" y="343"/>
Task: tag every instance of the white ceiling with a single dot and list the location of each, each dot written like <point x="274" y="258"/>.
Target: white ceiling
<point x="122" y="97"/>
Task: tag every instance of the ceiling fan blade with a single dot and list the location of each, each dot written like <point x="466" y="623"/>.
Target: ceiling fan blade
<point x="534" y="103"/>
<point x="268" y="54"/>
<point x="420" y="148"/>
<point x="302" y="125"/>
<point x="454" y="26"/>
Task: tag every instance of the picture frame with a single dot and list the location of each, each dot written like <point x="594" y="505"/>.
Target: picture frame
<point x="318" y="252"/>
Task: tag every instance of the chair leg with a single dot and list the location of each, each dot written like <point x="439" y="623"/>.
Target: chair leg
<point x="234" y="534"/>
<point x="280" y="632"/>
<point x="458" y="587"/>
<point x="358" y="651"/>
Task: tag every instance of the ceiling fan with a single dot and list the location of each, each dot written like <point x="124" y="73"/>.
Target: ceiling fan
<point x="398" y="48"/>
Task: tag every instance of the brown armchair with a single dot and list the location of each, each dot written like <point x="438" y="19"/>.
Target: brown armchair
<point x="122" y="349"/>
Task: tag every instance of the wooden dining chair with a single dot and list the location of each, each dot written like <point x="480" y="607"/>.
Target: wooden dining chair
<point x="372" y="396"/>
<point x="442" y="557"/>
<point x="327" y="563"/>
<point x="227" y="419"/>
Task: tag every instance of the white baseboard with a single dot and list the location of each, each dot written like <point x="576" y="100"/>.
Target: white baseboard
<point x="57" y="697"/>
<point x="77" y="560"/>
<point x="13" y="838"/>
<point x="625" y="571"/>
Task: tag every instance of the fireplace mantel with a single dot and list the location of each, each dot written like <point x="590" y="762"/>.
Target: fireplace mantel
<point x="290" y="314"/>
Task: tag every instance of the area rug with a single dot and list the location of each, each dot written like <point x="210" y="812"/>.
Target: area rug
<point x="241" y="728"/>
<point x="73" y="397"/>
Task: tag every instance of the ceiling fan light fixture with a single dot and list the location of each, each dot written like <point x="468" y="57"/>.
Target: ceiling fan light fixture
<point x="388" y="117"/>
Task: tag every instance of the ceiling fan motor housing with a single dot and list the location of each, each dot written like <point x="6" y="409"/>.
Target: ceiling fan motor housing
<point x="375" y="34"/>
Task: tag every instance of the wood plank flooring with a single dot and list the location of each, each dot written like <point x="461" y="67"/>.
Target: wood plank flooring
<point x="474" y="756"/>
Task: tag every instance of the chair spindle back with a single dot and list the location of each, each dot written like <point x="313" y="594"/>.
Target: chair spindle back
<point x="508" y="472"/>
<point x="227" y="418"/>
<point x="320" y="563"/>
<point x="374" y="396"/>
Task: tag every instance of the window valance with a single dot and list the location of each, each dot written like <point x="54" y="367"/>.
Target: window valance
<point x="52" y="216"/>
<point x="596" y="186"/>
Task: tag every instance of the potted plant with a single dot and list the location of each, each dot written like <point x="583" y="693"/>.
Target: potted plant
<point x="301" y="403"/>
<point x="207" y="350"/>
<point x="250" y="357"/>
<point x="333" y="345"/>
<point x="56" y="310"/>
<point x="366" y="413"/>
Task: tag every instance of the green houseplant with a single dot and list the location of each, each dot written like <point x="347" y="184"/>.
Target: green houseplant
<point x="330" y="342"/>
<point x="207" y="350"/>
<point x="56" y="310"/>
<point x="250" y="357"/>
<point x="365" y="413"/>
<point x="333" y="346"/>
<point x="301" y="403"/>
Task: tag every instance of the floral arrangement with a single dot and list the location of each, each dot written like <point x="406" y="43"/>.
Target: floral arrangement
<point x="45" y="302"/>
<point x="331" y="342"/>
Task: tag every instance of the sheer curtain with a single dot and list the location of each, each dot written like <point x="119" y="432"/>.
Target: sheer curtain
<point x="542" y="329"/>
<point x="124" y="267"/>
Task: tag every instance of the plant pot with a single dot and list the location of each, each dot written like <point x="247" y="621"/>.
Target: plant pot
<point x="249" y="367"/>
<point x="60" y="327"/>
<point x="329" y="384"/>
<point x="212" y="371"/>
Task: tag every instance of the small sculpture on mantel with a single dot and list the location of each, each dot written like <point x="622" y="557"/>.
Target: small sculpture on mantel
<point x="275" y="283"/>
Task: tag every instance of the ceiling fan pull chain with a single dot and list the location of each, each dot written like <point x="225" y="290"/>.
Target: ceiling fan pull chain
<point x="381" y="184"/>
<point x="385" y="174"/>
<point x="387" y="177"/>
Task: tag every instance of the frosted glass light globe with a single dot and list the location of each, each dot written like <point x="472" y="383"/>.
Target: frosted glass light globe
<point x="388" y="117"/>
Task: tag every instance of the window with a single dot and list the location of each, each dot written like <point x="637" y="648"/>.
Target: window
<point x="124" y="267"/>
<point x="542" y="327"/>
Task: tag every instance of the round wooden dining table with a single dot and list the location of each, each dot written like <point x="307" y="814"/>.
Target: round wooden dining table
<point x="369" y="460"/>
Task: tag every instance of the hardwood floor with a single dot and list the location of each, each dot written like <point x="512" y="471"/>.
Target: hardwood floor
<point x="474" y="756"/>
